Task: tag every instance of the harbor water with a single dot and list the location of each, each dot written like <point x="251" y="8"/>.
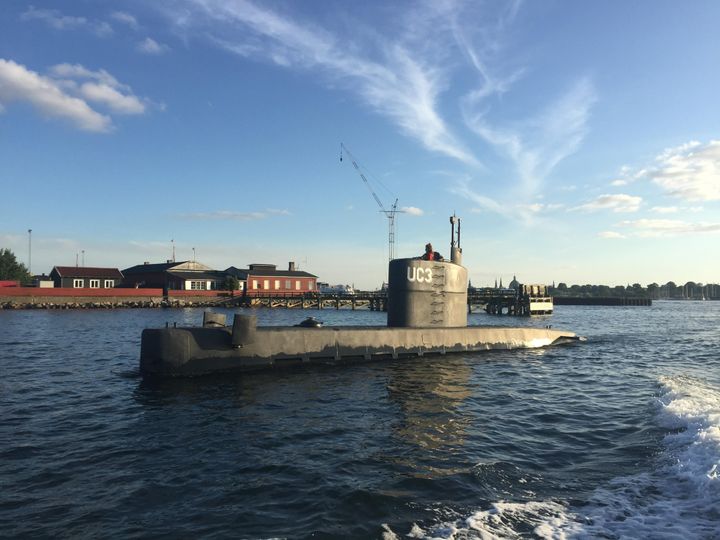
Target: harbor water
<point x="617" y="437"/>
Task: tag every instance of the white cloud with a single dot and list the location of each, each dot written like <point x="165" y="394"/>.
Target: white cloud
<point x="125" y="18"/>
<point x="611" y="235"/>
<point x="669" y="227"/>
<point x="664" y="209"/>
<point x="617" y="203"/>
<point x="150" y="46"/>
<point x="58" y="21"/>
<point x="76" y="71"/>
<point x="619" y="182"/>
<point x="115" y="100"/>
<point x="537" y="208"/>
<point x="17" y="83"/>
<point x="229" y="215"/>
<point x="67" y="93"/>
<point x="690" y="172"/>
<point x="412" y="210"/>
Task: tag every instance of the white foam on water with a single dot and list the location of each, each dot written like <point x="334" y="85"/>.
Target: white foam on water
<point x="679" y="498"/>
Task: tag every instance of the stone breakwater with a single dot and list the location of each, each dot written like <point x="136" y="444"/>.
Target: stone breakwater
<point x="67" y="303"/>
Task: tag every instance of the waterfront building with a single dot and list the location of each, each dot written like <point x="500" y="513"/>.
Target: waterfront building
<point x="259" y="279"/>
<point x="80" y="277"/>
<point x="176" y="276"/>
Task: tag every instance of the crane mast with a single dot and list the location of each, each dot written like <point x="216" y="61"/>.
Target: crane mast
<point x="389" y="214"/>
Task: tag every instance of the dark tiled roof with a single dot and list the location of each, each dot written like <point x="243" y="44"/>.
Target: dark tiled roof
<point x="87" y="272"/>
<point x="156" y="267"/>
<point x="237" y="272"/>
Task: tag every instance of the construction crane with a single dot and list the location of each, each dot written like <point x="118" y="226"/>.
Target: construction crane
<point x="389" y="214"/>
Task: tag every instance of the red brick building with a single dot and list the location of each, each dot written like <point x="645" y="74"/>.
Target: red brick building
<point x="261" y="279"/>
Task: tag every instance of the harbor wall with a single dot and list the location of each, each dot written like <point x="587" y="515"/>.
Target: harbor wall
<point x="67" y="298"/>
<point x="601" y="301"/>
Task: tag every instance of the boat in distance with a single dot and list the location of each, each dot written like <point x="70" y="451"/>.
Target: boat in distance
<point x="427" y="315"/>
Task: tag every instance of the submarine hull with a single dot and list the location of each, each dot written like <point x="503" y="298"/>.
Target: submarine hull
<point x="198" y="351"/>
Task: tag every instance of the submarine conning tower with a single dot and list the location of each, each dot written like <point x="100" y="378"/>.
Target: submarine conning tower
<point x="429" y="293"/>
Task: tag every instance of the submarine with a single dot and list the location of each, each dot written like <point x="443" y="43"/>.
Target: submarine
<point x="426" y="315"/>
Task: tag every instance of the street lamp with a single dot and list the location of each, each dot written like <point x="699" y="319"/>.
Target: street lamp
<point x="30" y="252"/>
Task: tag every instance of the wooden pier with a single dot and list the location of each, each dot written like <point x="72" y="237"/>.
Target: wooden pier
<point x="528" y="300"/>
<point x="492" y="301"/>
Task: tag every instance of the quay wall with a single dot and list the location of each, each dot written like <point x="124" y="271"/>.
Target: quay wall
<point x="600" y="301"/>
<point x="60" y="298"/>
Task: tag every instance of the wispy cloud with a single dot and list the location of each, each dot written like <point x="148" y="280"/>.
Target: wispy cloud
<point x="125" y="18"/>
<point x="395" y="83"/>
<point x="483" y="204"/>
<point x="150" y="46"/>
<point x="669" y="227"/>
<point x="59" y="21"/>
<point x="536" y="145"/>
<point x="66" y="92"/>
<point x="616" y="203"/>
<point x="408" y="73"/>
<point x="538" y="142"/>
<point x="230" y="215"/>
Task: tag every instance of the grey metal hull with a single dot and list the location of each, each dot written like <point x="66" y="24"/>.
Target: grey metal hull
<point x="197" y="351"/>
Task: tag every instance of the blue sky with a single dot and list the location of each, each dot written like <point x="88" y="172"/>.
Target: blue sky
<point x="579" y="142"/>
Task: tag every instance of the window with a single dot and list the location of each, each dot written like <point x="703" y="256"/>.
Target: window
<point x="288" y="284"/>
<point x="255" y="284"/>
<point x="78" y="283"/>
<point x="311" y="286"/>
<point x="297" y="284"/>
<point x="94" y="283"/>
<point x="109" y="283"/>
<point x="198" y="285"/>
<point x="277" y="284"/>
<point x="266" y="284"/>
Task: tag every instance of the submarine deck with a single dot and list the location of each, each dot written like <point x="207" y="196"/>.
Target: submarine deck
<point x="196" y="351"/>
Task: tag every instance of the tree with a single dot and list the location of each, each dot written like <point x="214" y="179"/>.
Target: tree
<point x="653" y="290"/>
<point x="11" y="269"/>
<point x="231" y="283"/>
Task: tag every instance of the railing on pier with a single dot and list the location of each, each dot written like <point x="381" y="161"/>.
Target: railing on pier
<point x="374" y="301"/>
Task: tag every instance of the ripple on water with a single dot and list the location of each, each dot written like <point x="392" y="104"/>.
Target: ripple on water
<point x="511" y="443"/>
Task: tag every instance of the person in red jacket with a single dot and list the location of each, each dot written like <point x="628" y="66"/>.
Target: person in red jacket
<point x="431" y="255"/>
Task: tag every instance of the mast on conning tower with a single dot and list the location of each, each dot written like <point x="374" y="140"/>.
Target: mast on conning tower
<point x="455" y="249"/>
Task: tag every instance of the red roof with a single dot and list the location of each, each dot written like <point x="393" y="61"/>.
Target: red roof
<point x="87" y="272"/>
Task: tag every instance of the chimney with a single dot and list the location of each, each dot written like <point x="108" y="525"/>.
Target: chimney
<point x="291" y="266"/>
